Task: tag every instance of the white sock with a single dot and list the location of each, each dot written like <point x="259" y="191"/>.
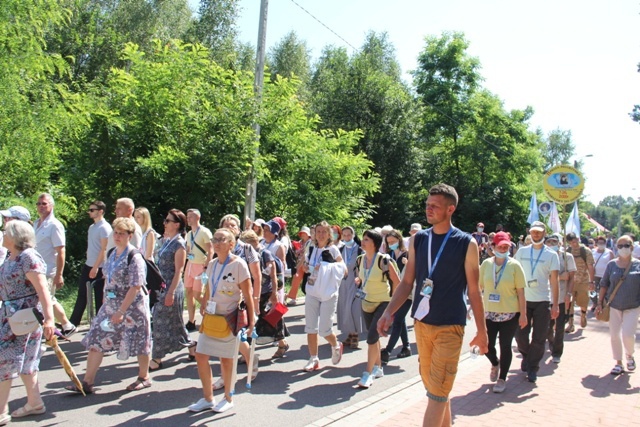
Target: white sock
<point x="67" y="326"/>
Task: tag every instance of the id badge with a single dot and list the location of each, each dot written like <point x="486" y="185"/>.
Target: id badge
<point x="427" y="288"/>
<point x="211" y="307"/>
<point x="190" y="256"/>
<point x="494" y="297"/>
<point x="533" y="283"/>
<point x="111" y="295"/>
<point x="360" y="294"/>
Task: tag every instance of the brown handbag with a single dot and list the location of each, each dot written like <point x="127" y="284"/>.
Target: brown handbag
<point x="604" y="314"/>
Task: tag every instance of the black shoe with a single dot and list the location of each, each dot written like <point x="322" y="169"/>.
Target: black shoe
<point x="532" y="376"/>
<point x="384" y="356"/>
<point x="405" y="352"/>
<point x="191" y="326"/>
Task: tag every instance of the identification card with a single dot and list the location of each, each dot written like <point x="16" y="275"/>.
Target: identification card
<point x="191" y="256"/>
<point x="533" y="283"/>
<point x="494" y="297"/>
<point x="427" y="288"/>
<point x="360" y="294"/>
<point x="211" y="307"/>
<point x="111" y="294"/>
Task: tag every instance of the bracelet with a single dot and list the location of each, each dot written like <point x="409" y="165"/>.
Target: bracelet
<point x="121" y="312"/>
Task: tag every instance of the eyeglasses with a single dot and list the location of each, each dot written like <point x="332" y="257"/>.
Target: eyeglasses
<point x="218" y="240"/>
<point x="166" y="220"/>
<point x="622" y="246"/>
<point x="92" y="209"/>
<point x="42" y="204"/>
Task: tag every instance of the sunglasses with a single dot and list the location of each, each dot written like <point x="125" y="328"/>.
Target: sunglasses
<point x="42" y="204"/>
<point x="92" y="209"/>
<point x="626" y="245"/>
<point x="166" y="220"/>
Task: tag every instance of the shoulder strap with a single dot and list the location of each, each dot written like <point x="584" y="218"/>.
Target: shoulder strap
<point x="583" y="253"/>
<point x="615" y="290"/>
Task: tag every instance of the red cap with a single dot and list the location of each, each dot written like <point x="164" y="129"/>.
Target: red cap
<point x="280" y="222"/>
<point x="501" y="238"/>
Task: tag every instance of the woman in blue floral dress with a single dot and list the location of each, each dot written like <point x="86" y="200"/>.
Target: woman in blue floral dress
<point x="123" y="323"/>
<point x="169" y="333"/>
<point x="22" y="285"/>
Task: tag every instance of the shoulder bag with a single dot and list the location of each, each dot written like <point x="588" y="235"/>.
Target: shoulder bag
<point x="604" y="314"/>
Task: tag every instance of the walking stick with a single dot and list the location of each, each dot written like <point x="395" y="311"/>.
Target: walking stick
<point x="234" y="371"/>
<point x="252" y="353"/>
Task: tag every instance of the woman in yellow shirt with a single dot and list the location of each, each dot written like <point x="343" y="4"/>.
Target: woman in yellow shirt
<point x="502" y="281"/>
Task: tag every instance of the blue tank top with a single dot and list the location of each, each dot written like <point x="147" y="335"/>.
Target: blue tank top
<point x="447" y="306"/>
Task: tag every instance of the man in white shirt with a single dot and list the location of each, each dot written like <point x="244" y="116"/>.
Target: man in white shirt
<point x="124" y="209"/>
<point x="50" y="244"/>
<point x="541" y="268"/>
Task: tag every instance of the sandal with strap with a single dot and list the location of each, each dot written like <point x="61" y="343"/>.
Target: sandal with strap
<point x="139" y="384"/>
<point x="281" y="351"/>
<point x="355" y="341"/>
<point x="28" y="410"/>
<point x="88" y="388"/>
<point x="159" y="363"/>
<point x="617" y="370"/>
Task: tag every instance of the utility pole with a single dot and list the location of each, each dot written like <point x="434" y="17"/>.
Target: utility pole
<point x="252" y="183"/>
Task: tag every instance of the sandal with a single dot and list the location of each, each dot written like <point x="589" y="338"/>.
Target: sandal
<point x="631" y="364"/>
<point x="617" y="370"/>
<point x="156" y="368"/>
<point x="355" y="341"/>
<point x="281" y="351"/>
<point x="88" y="388"/>
<point x="28" y="410"/>
<point x="139" y="384"/>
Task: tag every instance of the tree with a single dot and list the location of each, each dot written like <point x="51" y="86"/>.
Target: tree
<point x="215" y="28"/>
<point x="635" y="113"/>
<point x="558" y="148"/>
<point x="290" y="58"/>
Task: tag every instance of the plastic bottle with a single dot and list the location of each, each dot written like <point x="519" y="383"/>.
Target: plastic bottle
<point x="474" y="352"/>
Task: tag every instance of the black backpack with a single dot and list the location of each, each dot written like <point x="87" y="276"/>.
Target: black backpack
<point x="155" y="282"/>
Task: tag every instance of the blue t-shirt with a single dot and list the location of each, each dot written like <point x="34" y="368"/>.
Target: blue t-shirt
<point x="447" y="305"/>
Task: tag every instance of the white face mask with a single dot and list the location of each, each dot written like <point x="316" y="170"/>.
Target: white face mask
<point x="554" y="248"/>
<point x="480" y="229"/>
<point x="537" y="242"/>
<point x="502" y="255"/>
<point x="624" y="252"/>
<point x="601" y="245"/>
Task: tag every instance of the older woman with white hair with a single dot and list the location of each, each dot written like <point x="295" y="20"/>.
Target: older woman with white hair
<point x="620" y="289"/>
<point x="23" y="285"/>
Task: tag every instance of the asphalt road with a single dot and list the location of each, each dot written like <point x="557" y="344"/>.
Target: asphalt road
<point x="282" y="394"/>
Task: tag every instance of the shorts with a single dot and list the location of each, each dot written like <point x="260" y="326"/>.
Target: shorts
<point x="438" y="353"/>
<point x="52" y="289"/>
<point x="371" y="322"/>
<point x="193" y="271"/>
<point x="318" y="315"/>
<point x="581" y="294"/>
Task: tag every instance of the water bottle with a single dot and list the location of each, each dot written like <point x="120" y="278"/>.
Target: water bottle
<point x="474" y="352"/>
<point x="592" y="294"/>
<point x="204" y="278"/>
<point x="267" y="307"/>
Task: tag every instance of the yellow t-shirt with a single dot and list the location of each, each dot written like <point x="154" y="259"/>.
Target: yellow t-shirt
<point x="375" y="286"/>
<point x="202" y="236"/>
<point x="503" y="297"/>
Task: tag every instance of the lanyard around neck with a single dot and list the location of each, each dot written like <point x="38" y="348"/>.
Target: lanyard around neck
<point x="367" y="273"/>
<point x="496" y="279"/>
<point x="435" y="262"/>
<point x="214" y="284"/>
<point x="534" y="265"/>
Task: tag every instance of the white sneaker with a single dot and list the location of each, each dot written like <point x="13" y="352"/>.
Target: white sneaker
<point x="377" y="372"/>
<point x="336" y="354"/>
<point x="312" y="365"/>
<point x="366" y="381"/>
<point x="493" y="375"/>
<point x="218" y="385"/>
<point x="254" y="370"/>
<point x="499" y="387"/>
<point x="202" y="405"/>
<point x="223" y="406"/>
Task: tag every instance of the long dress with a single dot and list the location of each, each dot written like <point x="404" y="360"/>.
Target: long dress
<point x="19" y="355"/>
<point x="132" y="337"/>
<point x="169" y="333"/>
<point x="349" y="308"/>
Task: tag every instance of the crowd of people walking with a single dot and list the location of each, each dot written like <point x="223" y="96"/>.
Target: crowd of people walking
<point x="233" y="281"/>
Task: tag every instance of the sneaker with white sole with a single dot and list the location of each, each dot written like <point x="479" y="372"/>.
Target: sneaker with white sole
<point x="500" y="386"/>
<point x="336" y="354"/>
<point x="555" y="359"/>
<point x="68" y="332"/>
<point x="202" y="405"/>
<point x="218" y="385"/>
<point x="366" y="381"/>
<point x="223" y="406"/>
<point x="493" y="375"/>
<point x="312" y="365"/>
<point x="377" y="372"/>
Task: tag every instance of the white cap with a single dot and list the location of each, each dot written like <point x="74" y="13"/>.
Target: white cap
<point x="305" y="230"/>
<point x="416" y="226"/>
<point x="17" y="212"/>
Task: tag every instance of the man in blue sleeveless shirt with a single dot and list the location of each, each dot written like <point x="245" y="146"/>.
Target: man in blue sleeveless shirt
<point x="443" y="261"/>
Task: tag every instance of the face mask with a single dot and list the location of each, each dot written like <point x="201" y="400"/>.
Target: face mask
<point x="624" y="252"/>
<point x="394" y="246"/>
<point x="554" y="248"/>
<point x="601" y="245"/>
<point x="502" y="255"/>
<point x="537" y="242"/>
<point x="334" y="236"/>
<point x="480" y="229"/>
<point x="348" y="243"/>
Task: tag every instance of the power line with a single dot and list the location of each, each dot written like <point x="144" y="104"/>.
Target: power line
<point x="324" y="25"/>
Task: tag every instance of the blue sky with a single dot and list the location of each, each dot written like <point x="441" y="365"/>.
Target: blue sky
<point x="575" y="62"/>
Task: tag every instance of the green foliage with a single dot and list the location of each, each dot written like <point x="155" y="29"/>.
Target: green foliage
<point x="215" y="28"/>
<point x="558" y="148"/>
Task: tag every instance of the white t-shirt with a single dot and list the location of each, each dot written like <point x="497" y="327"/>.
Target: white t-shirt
<point x="537" y="267"/>
<point x="601" y="259"/>
<point x="49" y="236"/>
<point x="97" y="231"/>
<point x="636" y="251"/>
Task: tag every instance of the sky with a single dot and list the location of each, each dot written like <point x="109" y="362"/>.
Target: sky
<point x="574" y="62"/>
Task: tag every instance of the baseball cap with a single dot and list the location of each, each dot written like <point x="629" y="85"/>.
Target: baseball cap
<point x="416" y="226"/>
<point x="281" y="222"/>
<point x="305" y="230"/>
<point x="537" y="226"/>
<point x="501" y="238"/>
<point x="17" y="212"/>
<point x="556" y="236"/>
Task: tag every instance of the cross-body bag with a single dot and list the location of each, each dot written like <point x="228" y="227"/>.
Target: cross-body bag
<point x="25" y="321"/>
<point x="604" y="314"/>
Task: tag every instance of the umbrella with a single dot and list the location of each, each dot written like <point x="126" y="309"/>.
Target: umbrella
<point x="53" y="343"/>
<point x="252" y="355"/>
